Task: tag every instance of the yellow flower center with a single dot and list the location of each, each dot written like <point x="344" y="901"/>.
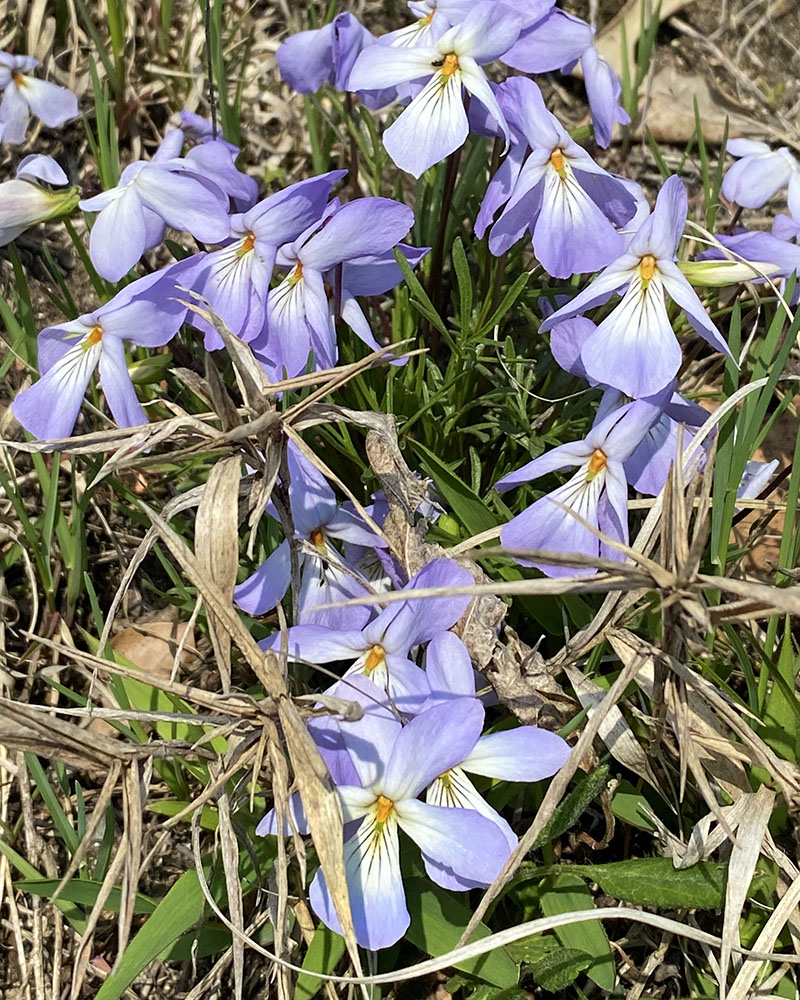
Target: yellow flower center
<point x="384" y="810"/>
<point x="94" y="337"/>
<point x="425" y="21"/>
<point x="317" y="538"/>
<point x="18" y="78"/>
<point x="450" y="64"/>
<point x="375" y="658"/>
<point x="247" y="245"/>
<point x="557" y="161"/>
<point x="597" y="463"/>
<point x="647" y="267"/>
<point x="297" y="274"/>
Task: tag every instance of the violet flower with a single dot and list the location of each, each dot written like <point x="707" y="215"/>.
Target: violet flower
<point x="308" y="59"/>
<point x="559" y="41"/>
<point x="404" y="760"/>
<point x="24" y="94"/>
<point x="150" y="196"/>
<point x="648" y="466"/>
<point x="569" y="204"/>
<point x="325" y="576"/>
<point x="235" y="280"/>
<point x="634" y="349"/>
<point x="598" y="491"/>
<point x="523" y="754"/>
<point x="435" y="122"/>
<point x="39" y="192"/>
<point x="760" y="173"/>
<point x="380" y="650"/>
<point x="146" y="312"/>
<point x="299" y="313"/>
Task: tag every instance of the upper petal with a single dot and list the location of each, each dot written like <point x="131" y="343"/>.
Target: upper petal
<point x="524" y="754"/>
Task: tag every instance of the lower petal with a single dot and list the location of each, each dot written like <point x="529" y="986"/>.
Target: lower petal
<point x="432" y="126"/>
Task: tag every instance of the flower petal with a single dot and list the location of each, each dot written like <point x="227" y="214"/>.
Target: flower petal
<point x="448" y="733"/>
<point x="469" y="844"/>
<point x="115" y="381"/>
<point x="118" y="236"/>
<point x="431" y="127"/>
<point x="50" y="407"/>
<point x="262" y="590"/>
<point x="523" y="754"/>
<point x="404" y="625"/>
<point x="53" y="104"/>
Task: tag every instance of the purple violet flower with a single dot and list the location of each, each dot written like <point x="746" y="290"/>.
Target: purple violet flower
<point x="435" y="122"/>
<point x="404" y="760"/>
<point x="648" y="466"/>
<point x="598" y="491"/>
<point x="760" y="173"/>
<point x="146" y="312"/>
<point x="569" y="204"/>
<point x="235" y="280"/>
<point x="380" y="650"/>
<point x="299" y="313"/>
<point x="558" y="41"/>
<point x="24" y="94"/>
<point x="634" y="349"/>
<point x="325" y="576"/>
<point x="150" y="196"/>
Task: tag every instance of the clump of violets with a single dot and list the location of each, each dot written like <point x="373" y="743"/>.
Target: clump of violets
<point x="24" y="95"/>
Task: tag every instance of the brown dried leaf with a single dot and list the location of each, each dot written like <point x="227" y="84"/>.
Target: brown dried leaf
<point x="217" y="548"/>
<point x="154" y="645"/>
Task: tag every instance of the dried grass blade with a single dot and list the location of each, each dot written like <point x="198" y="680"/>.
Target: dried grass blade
<point x="744" y="857"/>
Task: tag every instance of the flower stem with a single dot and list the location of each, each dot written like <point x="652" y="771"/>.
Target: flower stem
<point x="437" y="260"/>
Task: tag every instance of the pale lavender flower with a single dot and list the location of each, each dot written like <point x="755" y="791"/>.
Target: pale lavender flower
<point x="146" y="312"/>
<point x="634" y="349"/>
<point x="760" y="173"/>
<point x="559" y="41"/>
<point x="24" y="94"/>
<point x="40" y="192"/>
<point x="325" y="575"/>
<point x="402" y="762"/>
<point x="380" y="650"/>
<point x="569" y="204"/>
<point x="150" y="196"/>
<point x="435" y="123"/>
<point x="598" y="491"/>
<point x="235" y="279"/>
<point x="300" y="314"/>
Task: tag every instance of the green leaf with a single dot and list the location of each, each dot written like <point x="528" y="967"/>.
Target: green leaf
<point x="83" y="891"/>
<point x="629" y="805"/>
<point x="73" y="913"/>
<point x="573" y="805"/>
<point x="180" y="909"/>
<point x="531" y="949"/>
<point x="323" y="953"/>
<point x="461" y="267"/>
<point x="418" y="294"/>
<point x="781" y="708"/>
<point x="467" y="505"/>
<point x="438" y="921"/>
<point x="565" y="893"/>
<point x="655" y="882"/>
<point x="557" y="970"/>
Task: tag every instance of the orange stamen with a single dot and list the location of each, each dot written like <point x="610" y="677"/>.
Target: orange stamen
<point x="597" y="463"/>
<point x="375" y="658"/>
<point x="647" y="267"/>
<point x="384" y="810"/>
<point x="297" y="274"/>
<point x="247" y="245"/>
<point x="95" y="336"/>
<point x="317" y="538"/>
<point x="450" y="64"/>
<point x="18" y="78"/>
<point x="557" y="160"/>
